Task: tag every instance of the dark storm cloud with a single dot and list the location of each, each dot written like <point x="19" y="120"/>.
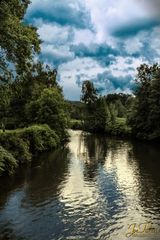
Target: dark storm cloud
<point x="55" y="55"/>
<point x="62" y="12"/>
<point x="133" y="28"/>
<point x="106" y="82"/>
<point x="93" y="50"/>
<point x="112" y="82"/>
<point x="103" y="53"/>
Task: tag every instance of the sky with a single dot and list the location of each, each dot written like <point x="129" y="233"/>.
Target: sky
<point x="99" y="40"/>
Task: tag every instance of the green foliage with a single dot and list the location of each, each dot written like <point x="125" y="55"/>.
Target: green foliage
<point x="102" y="117"/>
<point x="41" y="138"/>
<point x="18" y="146"/>
<point x="75" y="109"/>
<point x="121" y="102"/>
<point x="49" y="109"/>
<point x="106" y="114"/>
<point x="120" y="128"/>
<point x="37" y="99"/>
<point x="18" y="41"/>
<point x="89" y="93"/>
<point x="31" y="95"/>
<point x="76" y="124"/>
<point x="145" y="116"/>
<point x="8" y="163"/>
<point x="21" y="92"/>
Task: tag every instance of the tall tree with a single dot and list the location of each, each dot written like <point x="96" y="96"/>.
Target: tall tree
<point x="146" y="97"/>
<point x="154" y="105"/>
<point x="49" y="108"/>
<point x="89" y="93"/>
<point x="18" y="41"/>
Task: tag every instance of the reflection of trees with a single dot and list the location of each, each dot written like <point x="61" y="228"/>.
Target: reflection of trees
<point x="93" y="150"/>
<point x="41" y="181"/>
<point x="8" y="233"/>
<point x="35" y="189"/>
<point x="147" y="157"/>
<point x="8" y="184"/>
<point x="45" y="180"/>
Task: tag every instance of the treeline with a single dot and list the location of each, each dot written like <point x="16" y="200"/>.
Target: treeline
<point x="136" y="115"/>
<point x="104" y="114"/>
<point x="29" y="92"/>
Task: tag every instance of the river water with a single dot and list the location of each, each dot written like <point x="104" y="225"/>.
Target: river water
<point x="95" y="188"/>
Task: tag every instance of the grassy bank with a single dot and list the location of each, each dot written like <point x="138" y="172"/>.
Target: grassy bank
<point x="18" y="146"/>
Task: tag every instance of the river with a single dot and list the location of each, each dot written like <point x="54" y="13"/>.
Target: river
<point x="95" y="188"/>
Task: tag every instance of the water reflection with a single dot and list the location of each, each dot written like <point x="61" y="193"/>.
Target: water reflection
<point x="94" y="189"/>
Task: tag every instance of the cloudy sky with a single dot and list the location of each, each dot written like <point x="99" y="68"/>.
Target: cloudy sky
<point x="99" y="40"/>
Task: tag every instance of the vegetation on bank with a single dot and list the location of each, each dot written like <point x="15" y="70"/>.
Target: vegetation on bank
<point x="18" y="146"/>
<point x="107" y="114"/>
<point x="136" y="115"/>
<point x="118" y="128"/>
<point x="33" y="115"/>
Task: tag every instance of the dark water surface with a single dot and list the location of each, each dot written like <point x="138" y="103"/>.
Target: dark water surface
<point x="97" y="188"/>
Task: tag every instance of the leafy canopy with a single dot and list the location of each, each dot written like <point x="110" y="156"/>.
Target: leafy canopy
<point x="18" y="41"/>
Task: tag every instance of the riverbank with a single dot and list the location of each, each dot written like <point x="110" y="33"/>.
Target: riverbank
<point x="119" y="128"/>
<point x="18" y="146"/>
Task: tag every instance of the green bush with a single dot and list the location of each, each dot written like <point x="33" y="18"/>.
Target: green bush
<point x="76" y="124"/>
<point x="7" y="162"/>
<point x="40" y="138"/>
<point x="49" y="108"/>
<point x="18" y="147"/>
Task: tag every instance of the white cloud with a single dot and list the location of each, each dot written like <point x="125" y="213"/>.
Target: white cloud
<point x="133" y="45"/>
<point x="67" y="22"/>
<point x="109" y="14"/>
<point x="84" y="36"/>
<point x="55" y="34"/>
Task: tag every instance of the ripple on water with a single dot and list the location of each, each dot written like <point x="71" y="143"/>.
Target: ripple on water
<point x="92" y="192"/>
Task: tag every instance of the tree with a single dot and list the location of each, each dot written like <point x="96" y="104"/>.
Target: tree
<point x="20" y="92"/>
<point x="102" y="116"/>
<point x="145" y="114"/>
<point x="154" y="105"/>
<point x="49" y="109"/>
<point x="89" y="93"/>
<point x="18" y="41"/>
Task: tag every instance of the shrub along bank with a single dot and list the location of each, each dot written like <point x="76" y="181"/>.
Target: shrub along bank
<point x="18" y="146"/>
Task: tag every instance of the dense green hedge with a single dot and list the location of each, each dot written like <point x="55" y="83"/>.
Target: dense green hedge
<point x="18" y="146"/>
